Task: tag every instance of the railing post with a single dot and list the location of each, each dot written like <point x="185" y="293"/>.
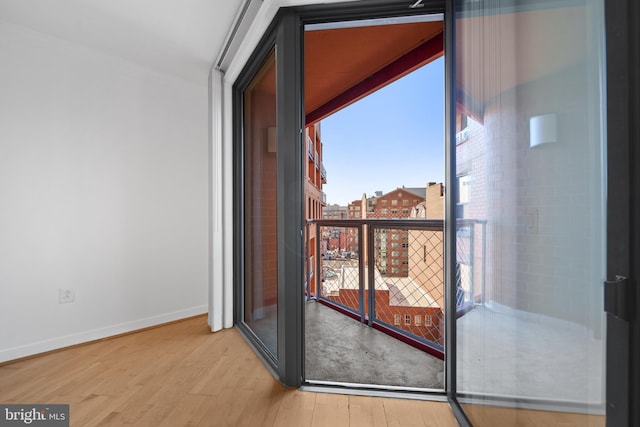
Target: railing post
<point x="361" y="244"/>
<point x="472" y="261"/>
<point x="308" y="262"/>
<point x="371" y="270"/>
<point x="318" y="272"/>
<point x="484" y="259"/>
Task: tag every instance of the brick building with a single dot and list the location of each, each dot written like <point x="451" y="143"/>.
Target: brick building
<point x="315" y="177"/>
<point x="399" y="301"/>
<point x="335" y="238"/>
<point x="334" y="212"/>
<point x="391" y="246"/>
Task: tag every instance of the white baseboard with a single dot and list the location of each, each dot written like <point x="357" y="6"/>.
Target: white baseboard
<point x="96" y="334"/>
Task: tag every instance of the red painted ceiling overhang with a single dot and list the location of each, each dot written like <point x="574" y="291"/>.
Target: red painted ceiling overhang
<point x="344" y="65"/>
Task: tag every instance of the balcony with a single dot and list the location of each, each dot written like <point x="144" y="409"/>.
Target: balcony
<point x="310" y="149"/>
<point x="377" y="320"/>
<point x="401" y="296"/>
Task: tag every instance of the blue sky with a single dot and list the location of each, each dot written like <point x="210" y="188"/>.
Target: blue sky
<point x="391" y="138"/>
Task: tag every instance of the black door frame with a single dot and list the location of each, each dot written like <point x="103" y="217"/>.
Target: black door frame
<point x="623" y="132"/>
<point x="283" y="36"/>
<point x="286" y="34"/>
<point x="622" y="20"/>
<point x="370" y="9"/>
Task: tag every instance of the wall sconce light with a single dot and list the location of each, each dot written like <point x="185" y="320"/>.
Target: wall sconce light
<point x="543" y="129"/>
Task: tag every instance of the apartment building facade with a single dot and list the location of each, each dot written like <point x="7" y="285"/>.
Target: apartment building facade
<point x="391" y="246"/>
<point x="315" y="199"/>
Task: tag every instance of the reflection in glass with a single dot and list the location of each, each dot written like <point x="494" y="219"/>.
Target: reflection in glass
<point x="530" y="167"/>
<point x="260" y="226"/>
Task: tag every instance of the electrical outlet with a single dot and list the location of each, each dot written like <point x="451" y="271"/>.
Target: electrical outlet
<point x="66" y="295"/>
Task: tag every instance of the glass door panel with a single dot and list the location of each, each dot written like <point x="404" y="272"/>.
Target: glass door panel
<point x="530" y="178"/>
<point x="260" y="210"/>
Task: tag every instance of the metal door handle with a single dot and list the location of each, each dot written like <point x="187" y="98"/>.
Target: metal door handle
<point x="616" y="297"/>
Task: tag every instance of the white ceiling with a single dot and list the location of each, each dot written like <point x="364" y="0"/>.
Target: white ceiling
<point x="178" y="37"/>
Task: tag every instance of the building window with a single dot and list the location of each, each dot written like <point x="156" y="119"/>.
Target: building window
<point x="405" y="245"/>
<point x="464" y="186"/>
<point x="396" y="319"/>
<point x="383" y="211"/>
<point x="463" y="122"/>
<point x="395" y="237"/>
<point x="395" y="244"/>
<point x="384" y="202"/>
<point x="405" y="202"/>
<point x="405" y="211"/>
<point x="407" y="319"/>
<point x="394" y="211"/>
<point x="405" y="262"/>
<point x="427" y="320"/>
<point x="395" y="262"/>
<point x="418" y="320"/>
<point x="394" y="203"/>
<point x="395" y="253"/>
<point x="395" y="271"/>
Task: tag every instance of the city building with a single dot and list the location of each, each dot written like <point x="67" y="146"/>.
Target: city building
<point x="391" y="246"/>
<point x="315" y="177"/>
<point x="409" y="291"/>
<point x="336" y="239"/>
<point x="334" y="212"/>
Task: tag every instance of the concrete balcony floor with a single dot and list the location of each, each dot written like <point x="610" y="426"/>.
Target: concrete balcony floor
<point x="503" y="354"/>
<point x="341" y="349"/>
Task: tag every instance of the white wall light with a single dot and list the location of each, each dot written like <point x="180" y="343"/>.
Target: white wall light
<point x="543" y="129"/>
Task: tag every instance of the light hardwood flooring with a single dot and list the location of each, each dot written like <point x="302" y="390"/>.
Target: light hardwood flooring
<point x="183" y="375"/>
<point x="491" y="416"/>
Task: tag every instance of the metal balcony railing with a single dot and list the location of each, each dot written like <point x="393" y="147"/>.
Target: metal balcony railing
<point x="389" y="274"/>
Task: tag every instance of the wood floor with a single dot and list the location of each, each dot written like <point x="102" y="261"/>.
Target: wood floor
<point x="490" y="416"/>
<point x="183" y="375"/>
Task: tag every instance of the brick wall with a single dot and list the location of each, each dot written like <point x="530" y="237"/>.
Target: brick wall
<point x="544" y="227"/>
<point x="430" y="325"/>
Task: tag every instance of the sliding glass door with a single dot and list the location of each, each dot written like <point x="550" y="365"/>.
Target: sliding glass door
<point x="527" y="186"/>
<point x="260" y="312"/>
<point x="268" y="194"/>
<point x="529" y="164"/>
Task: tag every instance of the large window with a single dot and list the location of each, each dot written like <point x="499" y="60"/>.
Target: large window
<point x="260" y="208"/>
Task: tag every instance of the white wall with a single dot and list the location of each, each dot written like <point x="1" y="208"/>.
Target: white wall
<point x="103" y="189"/>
